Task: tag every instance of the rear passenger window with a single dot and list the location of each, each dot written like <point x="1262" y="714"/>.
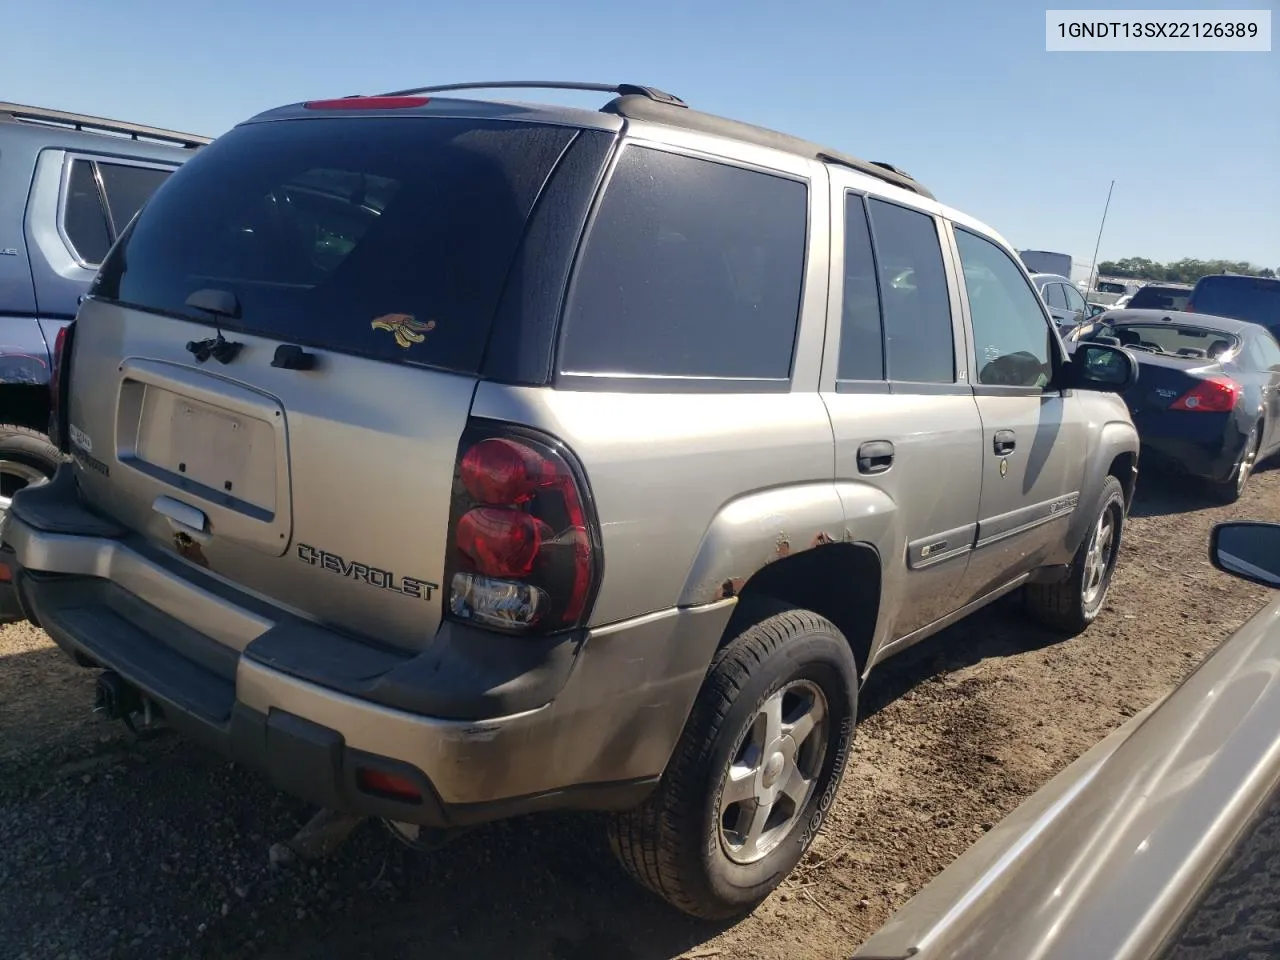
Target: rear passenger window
<point x="83" y="218"/>
<point x="861" y="337"/>
<point x="692" y="268"/>
<point x="913" y="287"/>
<point x="127" y="188"/>
<point x="1010" y="334"/>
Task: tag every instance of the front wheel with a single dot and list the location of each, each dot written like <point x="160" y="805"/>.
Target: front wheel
<point x="1074" y="603"/>
<point x="755" y="771"/>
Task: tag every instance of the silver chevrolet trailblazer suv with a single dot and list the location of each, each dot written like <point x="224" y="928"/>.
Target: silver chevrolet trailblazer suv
<point x="448" y="459"/>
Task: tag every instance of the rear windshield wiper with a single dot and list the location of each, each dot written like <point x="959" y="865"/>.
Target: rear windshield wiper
<point x="219" y="303"/>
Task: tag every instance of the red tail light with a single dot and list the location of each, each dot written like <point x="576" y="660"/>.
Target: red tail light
<point x="59" y="377"/>
<point x="367" y="103"/>
<point x="1215" y="395"/>
<point x="523" y="554"/>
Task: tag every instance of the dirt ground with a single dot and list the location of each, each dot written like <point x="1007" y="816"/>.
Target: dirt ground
<point x="120" y="847"/>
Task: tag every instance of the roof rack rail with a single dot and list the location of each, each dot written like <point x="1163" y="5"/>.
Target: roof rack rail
<point x="649" y="103"/>
<point x="79" y="121"/>
<point x="620" y="89"/>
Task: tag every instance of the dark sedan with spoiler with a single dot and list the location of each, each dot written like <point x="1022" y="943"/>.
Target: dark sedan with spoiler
<point x="1207" y="399"/>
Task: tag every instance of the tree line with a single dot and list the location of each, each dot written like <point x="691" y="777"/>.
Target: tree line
<point x="1183" y="271"/>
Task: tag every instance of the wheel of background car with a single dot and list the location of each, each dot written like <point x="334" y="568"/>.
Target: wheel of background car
<point x="26" y="458"/>
<point x="755" y="771"/>
<point x="1232" y="489"/>
<point x="1073" y="603"/>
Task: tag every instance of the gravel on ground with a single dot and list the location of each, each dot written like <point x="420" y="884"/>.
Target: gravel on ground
<point x="120" y="846"/>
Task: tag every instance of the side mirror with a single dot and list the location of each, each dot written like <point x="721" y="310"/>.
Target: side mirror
<point x="1101" y="366"/>
<point x="1247" y="549"/>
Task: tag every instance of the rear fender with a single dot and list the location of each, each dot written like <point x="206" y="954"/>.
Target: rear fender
<point x="24" y="354"/>
<point x="758" y="529"/>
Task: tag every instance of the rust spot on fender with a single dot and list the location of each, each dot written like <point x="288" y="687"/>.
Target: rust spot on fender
<point x="821" y="540"/>
<point x="731" y="588"/>
<point x="784" y="545"/>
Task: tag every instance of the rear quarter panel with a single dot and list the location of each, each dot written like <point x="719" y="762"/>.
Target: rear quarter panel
<point x="24" y="353"/>
<point x="663" y="467"/>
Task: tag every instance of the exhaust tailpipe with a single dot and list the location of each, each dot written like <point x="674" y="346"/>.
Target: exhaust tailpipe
<point x="115" y="698"/>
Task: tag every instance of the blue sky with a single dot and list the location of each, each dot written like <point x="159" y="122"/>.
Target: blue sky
<point x="963" y="96"/>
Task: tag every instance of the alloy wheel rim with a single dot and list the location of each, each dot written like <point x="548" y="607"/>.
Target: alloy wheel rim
<point x="1098" y="556"/>
<point x="1247" y="459"/>
<point x="774" y="772"/>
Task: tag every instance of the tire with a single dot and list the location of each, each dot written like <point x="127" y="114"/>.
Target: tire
<point x="26" y="457"/>
<point x="693" y="851"/>
<point x="1072" y="604"/>
<point x="1232" y="489"/>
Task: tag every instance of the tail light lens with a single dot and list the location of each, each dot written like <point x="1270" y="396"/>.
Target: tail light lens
<point x="523" y="546"/>
<point x="1215" y="395"/>
<point x="59" y="380"/>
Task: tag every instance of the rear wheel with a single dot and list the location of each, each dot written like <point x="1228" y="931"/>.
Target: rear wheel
<point x="754" y="773"/>
<point x="27" y="458"/>
<point x="1232" y="489"/>
<point x="1074" y="603"/>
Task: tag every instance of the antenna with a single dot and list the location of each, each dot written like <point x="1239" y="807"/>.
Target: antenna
<point x="1093" y="270"/>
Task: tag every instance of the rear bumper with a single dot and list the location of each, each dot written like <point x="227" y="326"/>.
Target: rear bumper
<point x="1212" y="460"/>
<point x="309" y="707"/>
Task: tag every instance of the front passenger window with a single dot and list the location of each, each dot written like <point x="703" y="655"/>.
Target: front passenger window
<point x="1010" y="335"/>
<point x="1054" y="296"/>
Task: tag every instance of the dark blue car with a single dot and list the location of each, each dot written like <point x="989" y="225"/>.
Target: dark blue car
<point x="1207" y="399"/>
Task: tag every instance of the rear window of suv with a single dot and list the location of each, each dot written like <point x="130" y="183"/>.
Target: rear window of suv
<point x="1254" y="299"/>
<point x="382" y="237"/>
<point x="1160" y="298"/>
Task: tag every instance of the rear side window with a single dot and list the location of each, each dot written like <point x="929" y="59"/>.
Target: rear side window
<point x="1254" y="299"/>
<point x="382" y="237"/>
<point x="1055" y="296"/>
<point x="692" y="268"/>
<point x="91" y="227"/>
<point x="1159" y="298"/>
<point x="913" y="291"/>
<point x="83" y="218"/>
<point x="127" y="188"/>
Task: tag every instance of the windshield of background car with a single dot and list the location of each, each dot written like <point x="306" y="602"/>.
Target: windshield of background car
<point x="384" y="237"/>
<point x="1169" y="338"/>
<point x="1160" y="298"/>
<point x="1255" y="299"/>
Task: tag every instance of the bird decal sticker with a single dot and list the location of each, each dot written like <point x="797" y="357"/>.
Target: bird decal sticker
<point x="406" y="329"/>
